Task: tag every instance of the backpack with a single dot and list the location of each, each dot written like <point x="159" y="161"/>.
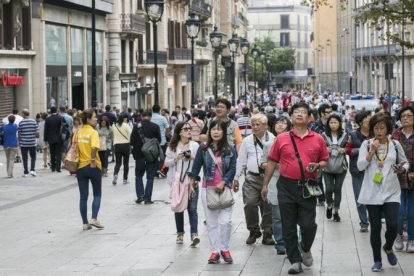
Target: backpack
<point x="64" y="132"/>
<point x="151" y="148"/>
<point x="337" y="164"/>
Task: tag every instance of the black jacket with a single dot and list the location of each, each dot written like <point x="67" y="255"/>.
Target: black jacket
<point x="150" y="130"/>
<point x="52" y="129"/>
<point x="357" y="138"/>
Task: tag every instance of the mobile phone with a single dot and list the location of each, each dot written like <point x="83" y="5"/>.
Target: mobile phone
<point x="396" y="167"/>
<point x="311" y="167"/>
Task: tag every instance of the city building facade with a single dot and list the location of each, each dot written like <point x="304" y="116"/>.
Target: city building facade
<point x="288" y="23"/>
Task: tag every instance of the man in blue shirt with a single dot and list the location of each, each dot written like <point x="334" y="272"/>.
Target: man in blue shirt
<point x="161" y="121"/>
<point x="10" y="144"/>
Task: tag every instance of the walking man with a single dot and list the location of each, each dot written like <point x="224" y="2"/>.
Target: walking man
<point x="28" y="130"/>
<point x="249" y="158"/>
<point x="149" y="130"/>
<point x="295" y="209"/>
<point x="53" y="138"/>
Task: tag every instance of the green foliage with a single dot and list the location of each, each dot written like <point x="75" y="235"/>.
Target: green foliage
<point x="281" y="60"/>
<point x="379" y="14"/>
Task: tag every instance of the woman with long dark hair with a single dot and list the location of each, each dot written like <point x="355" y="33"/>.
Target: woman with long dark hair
<point x="179" y="159"/>
<point x="122" y="133"/>
<point x="335" y="172"/>
<point x="89" y="168"/>
<point x="280" y="125"/>
<point x="105" y="139"/>
<point x="218" y="173"/>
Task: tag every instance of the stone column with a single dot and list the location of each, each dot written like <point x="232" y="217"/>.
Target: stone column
<point x="85" y="70"/>
<point x="69" y="65"/>
<point x="114" y="68"/>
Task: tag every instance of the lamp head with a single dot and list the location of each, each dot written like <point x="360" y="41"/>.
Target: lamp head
<point x="154" y="9"/>
<point x="192" y="25"/>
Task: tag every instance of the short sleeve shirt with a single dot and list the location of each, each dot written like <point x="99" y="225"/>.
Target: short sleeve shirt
<point x="88" y="138"/>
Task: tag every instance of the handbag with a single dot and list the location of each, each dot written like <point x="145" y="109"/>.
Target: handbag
<point x="179" y="190"/>
<point x="215" y="200"/>
<point x="72" y="157"/>
<point x="102" y="143"/>
<point x="310" y="186"/>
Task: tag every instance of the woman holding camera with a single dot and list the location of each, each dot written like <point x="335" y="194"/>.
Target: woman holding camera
<point x="381" y="158"/>
<point x="405" y="135"/>
<point x="179" y="158"/>
<point x="218" y="175"/>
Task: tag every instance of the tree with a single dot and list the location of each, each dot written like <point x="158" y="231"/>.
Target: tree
<point x="281" y="60"/>
<point x="379" y="14"/>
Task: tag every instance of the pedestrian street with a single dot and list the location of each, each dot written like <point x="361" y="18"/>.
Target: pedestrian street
<point x="41" y="234"/>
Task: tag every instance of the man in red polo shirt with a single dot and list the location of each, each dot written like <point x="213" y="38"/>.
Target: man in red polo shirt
<point x="294" y="208"/>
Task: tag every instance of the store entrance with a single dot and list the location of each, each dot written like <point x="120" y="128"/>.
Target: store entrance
<point x="77" y="96"/>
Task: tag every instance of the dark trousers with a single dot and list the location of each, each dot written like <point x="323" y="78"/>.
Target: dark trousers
<point x="122" y="151"/>
<point x="142" y="167"/>
<point x="84" y="175"/>
<point x="320" y="183"/>
<point x="192" y="215"/>
<point x="390" y="210"/>
<point x="32" y="152"/>
<point x="362" y="210"/>
<point x="161" y="162"/>
<point x="296" y="210"/>
<point x="103" y="156"/>
<point x="56" y="155"/>
<point x="333" y="185"/>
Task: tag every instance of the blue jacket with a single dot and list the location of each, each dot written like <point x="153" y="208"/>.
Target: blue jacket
<point x="203" y="159"/>
<point x="10" y="135"/>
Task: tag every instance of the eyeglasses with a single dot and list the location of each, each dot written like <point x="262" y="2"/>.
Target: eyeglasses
<point x="408" y="116"/>
<point x="187" y="129"/>
<point x="281" y="123"/>
<point x="296" y="112"/>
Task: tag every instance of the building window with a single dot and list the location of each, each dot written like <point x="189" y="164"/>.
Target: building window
<point x="299" y="42"/>
<point x="284" y="39"/>
<point x="297" y="60"/>
<point x="306" y="40"/>
<point x="131" y="56"/>
<point x="306" y="23"/>
<point x="306" y="61"/>
<point x="148" y="36"/>
<point x="299" y="27"/>
<point x="123" y="55"/>
<point x="140" y="6"/>
<point x="1" y="27"/>
<point x="284" y="21"/>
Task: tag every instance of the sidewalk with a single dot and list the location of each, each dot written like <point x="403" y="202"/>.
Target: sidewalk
<point x="41" y="234"/>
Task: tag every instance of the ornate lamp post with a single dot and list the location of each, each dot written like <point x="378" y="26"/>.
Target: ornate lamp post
<point x="262" y="58"/>
<point x="215" y="39"/>
<point x="268" y="61"/>
<point x="154" y="10"/>
<point x="193" y="28"/>
<point x="233" y="46"/>
<point x="255" y="55"/>
<point x="245" y="51"/>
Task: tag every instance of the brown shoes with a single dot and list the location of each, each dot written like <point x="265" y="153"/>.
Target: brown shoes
<point x="97" y="224"/>
<point x="253" y="237"/>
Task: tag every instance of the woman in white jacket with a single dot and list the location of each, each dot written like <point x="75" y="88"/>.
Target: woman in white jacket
<point x="179" y="158"/>
<point x="381" y="158"/>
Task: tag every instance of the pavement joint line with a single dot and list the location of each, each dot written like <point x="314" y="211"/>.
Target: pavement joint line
<point x="37" y="197"/>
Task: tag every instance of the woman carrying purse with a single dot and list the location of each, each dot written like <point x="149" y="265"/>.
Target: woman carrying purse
<point x="179" y="159"/>
<point x="105" y="141"/>
<point x="218" y="160"/>
<point x="122" y="136"/>
<point x="335" y="172"/>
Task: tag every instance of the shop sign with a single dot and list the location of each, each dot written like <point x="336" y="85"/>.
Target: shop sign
<point x="12" y="80"/>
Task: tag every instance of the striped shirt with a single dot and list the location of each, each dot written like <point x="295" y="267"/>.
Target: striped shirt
<point x="27" y="132"/>
<point x="245" y="126"/>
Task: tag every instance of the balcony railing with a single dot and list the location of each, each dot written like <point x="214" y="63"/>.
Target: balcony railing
<point x="375" y="51"/>
<point x="133" y="23"/>
<point x="161" y="55"/>
<point x="179" y="54"/>
<point x="201" y="8"/>
<point x="243" y="18"/>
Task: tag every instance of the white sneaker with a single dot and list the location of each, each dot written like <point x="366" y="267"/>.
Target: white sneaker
<point x="399" y="243"/>
<point x="25" y="175"/>
<point x="33" y="173"/>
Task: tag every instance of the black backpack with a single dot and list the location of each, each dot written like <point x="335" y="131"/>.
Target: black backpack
<point x="151" y="148"/>
<point x="64" y="130"/>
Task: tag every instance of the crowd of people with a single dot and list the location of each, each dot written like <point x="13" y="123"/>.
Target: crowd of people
<point x="291" y="149"/>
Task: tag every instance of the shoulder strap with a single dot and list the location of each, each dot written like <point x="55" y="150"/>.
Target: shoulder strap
<point x="396" y="150"/>
<point x="302" y="172"/>
<point x="120" y="132"/>
<point x="215" y="161"/>
<point x="140" y="132"/>
<point x="328" y="139"/>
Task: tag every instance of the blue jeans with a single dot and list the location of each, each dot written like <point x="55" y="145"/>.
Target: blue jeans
<point x="362" y="210"/>
<point x="277" y="227"/>
<point x="406" y="206"/>
<point x="94" y="175"/>
<point x="142" y="167"/>
<point x="192" y="215"/>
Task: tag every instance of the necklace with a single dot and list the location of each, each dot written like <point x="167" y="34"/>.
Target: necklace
<point x="381" y="158"/>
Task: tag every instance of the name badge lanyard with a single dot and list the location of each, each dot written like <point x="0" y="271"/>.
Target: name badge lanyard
<point x="381" y="160"/>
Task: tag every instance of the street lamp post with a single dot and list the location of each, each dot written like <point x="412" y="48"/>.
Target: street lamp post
<point x="339" y="63"/>
<point x="255" y="55"/>
<point x="268" y="60"/>
<point x="154" y="10"/>
<point x="193" y="28"/>
<point x="215" y="39"/>
<point x="233" y="46"/>
<point x="329" y="44"/>
<point x="262" y="58"/>
<point x="245" y="51"/>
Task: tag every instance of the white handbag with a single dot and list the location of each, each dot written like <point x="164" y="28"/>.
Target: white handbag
<point x="215" y="200"/>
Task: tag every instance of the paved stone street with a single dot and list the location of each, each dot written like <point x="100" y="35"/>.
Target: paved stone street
<point x="40" y="234"/>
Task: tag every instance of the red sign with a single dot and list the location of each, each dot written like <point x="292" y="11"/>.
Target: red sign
<point x="15" y="79"/>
